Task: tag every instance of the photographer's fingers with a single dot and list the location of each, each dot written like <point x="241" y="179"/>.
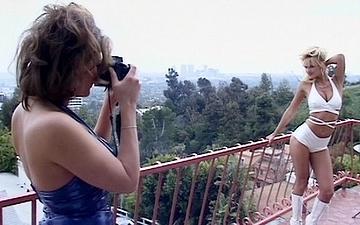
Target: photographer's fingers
<point x="132" y="72"/>
<point x="127" y="90"/>
<point x="133" y="83"/>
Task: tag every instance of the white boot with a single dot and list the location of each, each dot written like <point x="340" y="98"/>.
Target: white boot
<point x="317" y="211"/>
<point x="297" y="205"/>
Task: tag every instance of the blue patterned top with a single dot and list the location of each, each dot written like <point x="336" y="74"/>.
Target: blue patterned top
<point x="77" y="202"/>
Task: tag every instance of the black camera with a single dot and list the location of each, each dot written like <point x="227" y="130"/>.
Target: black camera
<point x="120" y="68"/>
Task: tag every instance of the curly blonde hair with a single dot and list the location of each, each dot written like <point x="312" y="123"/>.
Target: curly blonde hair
<point x="315" y="55"/>
<point x="314" y="52"/>
<point x="61" y="42"/>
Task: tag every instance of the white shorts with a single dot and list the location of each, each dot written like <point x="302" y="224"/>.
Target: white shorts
<point x="307" y="137"/>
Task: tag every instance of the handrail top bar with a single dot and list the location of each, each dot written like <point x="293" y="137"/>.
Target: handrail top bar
<point x="190" y="160"/>
<point x="22" y="198"/>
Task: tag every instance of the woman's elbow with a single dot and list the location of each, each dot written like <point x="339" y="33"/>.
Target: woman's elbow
<point x="127" y="186"/>
<point x="340" y="58"/>
<point x="132" y="187"/>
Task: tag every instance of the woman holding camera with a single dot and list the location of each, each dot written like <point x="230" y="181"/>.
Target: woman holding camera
<point x="72" y="167"/>
<point x="308" y="143"/>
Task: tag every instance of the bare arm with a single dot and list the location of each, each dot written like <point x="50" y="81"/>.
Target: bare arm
<point x="84" y="156"/>
<point x="126" y="94"/>
<point x="339" y="60"/>
<point x="290" y="112"/>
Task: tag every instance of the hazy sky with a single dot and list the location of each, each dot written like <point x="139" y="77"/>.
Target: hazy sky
<point x="230" y="35"/>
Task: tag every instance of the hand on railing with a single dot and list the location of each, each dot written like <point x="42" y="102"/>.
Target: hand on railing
<point x="271" y="137"/>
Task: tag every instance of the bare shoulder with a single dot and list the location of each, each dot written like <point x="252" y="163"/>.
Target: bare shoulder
<point x="51" y="123"/>
<point x="35" y="126"/>
<point x="16" y="114"/>
<point x="48" y="132"/>
<point x="304" y="87"/>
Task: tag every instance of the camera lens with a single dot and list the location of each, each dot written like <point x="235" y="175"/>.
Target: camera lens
<point x="120" y="69"/>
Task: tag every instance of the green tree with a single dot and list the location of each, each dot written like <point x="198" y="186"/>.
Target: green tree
<point x="7" y="153"/>
<point x="235" y="100"/>
<point x="8" y="108"/>
<point x="202" y="130"/>
<point x="261" y="113"/>
<point x="264" y="116"/>
<point x="88" y="114"/>
<point x="283" y="94"/>
<point x="158" y="132"/>
<point x="173" y="92"/>
<point x="265" y="85"/>
<point x="234" y="181"/>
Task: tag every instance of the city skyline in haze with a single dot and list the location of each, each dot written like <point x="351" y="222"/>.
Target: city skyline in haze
<point x="228" y="35"/>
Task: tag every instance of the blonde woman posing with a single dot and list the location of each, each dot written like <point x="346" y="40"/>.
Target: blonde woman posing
<point x="308" y="143"/>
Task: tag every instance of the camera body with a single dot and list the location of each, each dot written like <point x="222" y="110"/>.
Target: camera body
<point x="120" y="68"/>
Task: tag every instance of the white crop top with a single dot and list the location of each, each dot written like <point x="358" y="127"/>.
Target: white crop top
<point x="317" y="103"/>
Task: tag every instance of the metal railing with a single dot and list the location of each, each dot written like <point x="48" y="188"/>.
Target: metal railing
<point x="244" y="184"/>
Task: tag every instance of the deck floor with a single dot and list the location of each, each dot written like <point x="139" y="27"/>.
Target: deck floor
<point x="343" y="207"/>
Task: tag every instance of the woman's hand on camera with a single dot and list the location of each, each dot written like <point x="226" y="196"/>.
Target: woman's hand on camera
<point x="126" y="91"/>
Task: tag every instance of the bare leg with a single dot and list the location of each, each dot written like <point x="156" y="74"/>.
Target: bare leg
<point x="321" y="164"/>
<point x="300" y="157"/>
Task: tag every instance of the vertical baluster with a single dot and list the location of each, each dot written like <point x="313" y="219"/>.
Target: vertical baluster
<point x="175" y="195"/>
<point x="208" y="184"/>
<point x="190" y="198"/>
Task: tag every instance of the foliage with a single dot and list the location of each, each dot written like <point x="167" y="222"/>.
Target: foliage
<point x="128" y="202"/>
<point x="233" y="183"/>
<point x="88" y="114"/>
<point x="8" y="108"/>
<point x="206" y="116"/>
<point x="7" y="153"/>
<point x="157" y="132"/>
<point x="347" y="163"/>
<point x="229" y="197"/>
<point x="351" y="99"/>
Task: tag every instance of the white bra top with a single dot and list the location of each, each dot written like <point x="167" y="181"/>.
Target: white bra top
<point x="317" y="103"/>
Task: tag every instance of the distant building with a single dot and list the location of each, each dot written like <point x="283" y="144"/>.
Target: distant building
<point x="76" y="103"/>
<point x="2" y="99"/>
<point x="142" y="111"/>
<point x="187" y="70"/>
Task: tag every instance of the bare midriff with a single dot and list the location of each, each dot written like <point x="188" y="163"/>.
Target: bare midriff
<point x="322" y="130"/>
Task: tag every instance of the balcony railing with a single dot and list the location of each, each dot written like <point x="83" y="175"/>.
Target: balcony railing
<point x="244" y="184"/>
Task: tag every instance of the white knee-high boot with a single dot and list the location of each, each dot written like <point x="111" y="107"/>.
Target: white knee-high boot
<point x="317" y="211"/>
<point x="297" y="205"/>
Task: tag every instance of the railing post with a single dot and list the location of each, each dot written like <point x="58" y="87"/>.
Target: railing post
<point x="33" y="212"/>
<point x="1" y="216"/>
<point x="352" y="147"/>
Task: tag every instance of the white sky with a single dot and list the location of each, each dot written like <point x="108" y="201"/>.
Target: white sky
<point x="244" y="36"/>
